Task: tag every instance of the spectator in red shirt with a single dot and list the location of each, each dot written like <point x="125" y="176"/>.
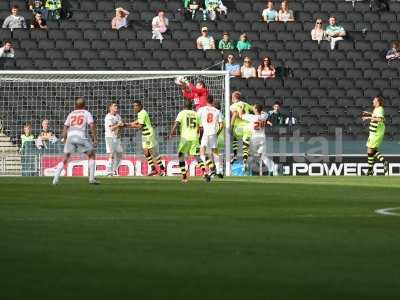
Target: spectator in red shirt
<point x="197" y="93"/>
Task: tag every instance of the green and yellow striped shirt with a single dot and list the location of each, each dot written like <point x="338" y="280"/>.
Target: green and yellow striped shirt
<point x="144" y="120"/>
<point x="374" y="126"/>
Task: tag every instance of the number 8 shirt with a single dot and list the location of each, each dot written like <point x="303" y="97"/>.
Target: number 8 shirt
<point x="210" y="117"/>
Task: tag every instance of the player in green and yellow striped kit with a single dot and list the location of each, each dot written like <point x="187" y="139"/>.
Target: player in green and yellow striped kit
<point x="240" y="127"/>
<point x="376" y="135"/>
<point x="149" y="141"/>
<point x="188" y="123"/>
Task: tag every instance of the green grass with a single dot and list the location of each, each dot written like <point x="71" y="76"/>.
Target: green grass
<point x="261" y="238"/>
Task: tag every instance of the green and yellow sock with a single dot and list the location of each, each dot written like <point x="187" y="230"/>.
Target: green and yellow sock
<point x="160" y="163"/>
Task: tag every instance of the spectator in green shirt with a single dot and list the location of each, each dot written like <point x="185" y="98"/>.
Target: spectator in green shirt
<point x="225" y="43"/>
<point x="27" y="136"/>
<point x="243" y="43"/>
<point x="334" y="32"/>
<point x="54" y="9"/>
<point x="186" y="3"/>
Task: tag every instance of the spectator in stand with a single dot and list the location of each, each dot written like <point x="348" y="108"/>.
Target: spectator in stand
<point x="46" y="135"/>
<point x="193" y="7"/>
<point x="270" y="14"/>
<point x="318" y="33"/>
<point x="285" y="14"/>
<point x="266" y="70"/>
<point x="27" y="136"/>
<point x="334" y="32"/>
<point x="159" y="26"/>
<point x="247" y="70"/>
<point x="38" y="6"/>
<point x="243" y="43"/>
<point x="232" y="67"/>
<point x="275" y="116"/>
<point x="39" y="22"/>
<point x="121" y="19"/>
<point x="7" y="51"/>
<point x="14" y="20"/>
<point x="225" y="43"/>
<point x="212" y="7"/>
<point x="394" y="53"/>
<point x="205" y="42"/>
<point x="54" y="8"/>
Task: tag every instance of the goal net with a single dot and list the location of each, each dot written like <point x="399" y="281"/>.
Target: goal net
<point x="34" y="106"/>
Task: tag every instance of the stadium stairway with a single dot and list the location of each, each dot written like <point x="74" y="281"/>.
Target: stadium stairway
<point x="10" y="159"/>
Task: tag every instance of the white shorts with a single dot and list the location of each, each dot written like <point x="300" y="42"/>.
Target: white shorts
<point x="258" y="146"/>
<point x="77" y="144"/>
<point x="113" y="145"/>
<point x="209" y="141"/>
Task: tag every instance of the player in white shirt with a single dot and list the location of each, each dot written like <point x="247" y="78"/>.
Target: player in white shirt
<point x="75" y="137"/>
<point x="113" y="125"/>
<point x="258" y="141"/>
<point x="211" y="124"/>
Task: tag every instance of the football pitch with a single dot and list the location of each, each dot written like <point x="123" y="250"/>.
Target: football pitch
<point x="155" y="238"/>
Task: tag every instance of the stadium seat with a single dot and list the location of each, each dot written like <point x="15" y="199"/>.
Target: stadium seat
<point x="100" y="44"/>
<point x="89" y="54"/>
<point x="54" y="54"/>
<point x="71" y="54"/>
<point x="60" y="64"/>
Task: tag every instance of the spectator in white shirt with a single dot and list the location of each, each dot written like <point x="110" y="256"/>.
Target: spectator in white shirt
<point x="7" y="51"/>
<point x="205" y="42"/>
<point x="285" y="14"/>
<point x="270" y="14"/>
<point x="159" y="26"/>
<point x="318" y="33"/>
<point x="14" y="20"/>
<point x="248" y="70"/>
<point x="121" y="19"/>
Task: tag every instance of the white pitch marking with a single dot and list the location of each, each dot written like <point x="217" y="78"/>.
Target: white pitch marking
<point x="388" y="211"/>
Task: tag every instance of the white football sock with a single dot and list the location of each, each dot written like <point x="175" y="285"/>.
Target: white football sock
<point x="59" y="169"/>
<point x="269" y="163"/>
<point x="110" y="165"/>
<point x="117" y="161"/>
<point x="92" y="169"/>
<point x="217" y="163"/>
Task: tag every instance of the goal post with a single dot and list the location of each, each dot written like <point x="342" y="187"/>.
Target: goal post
<point x="38" y="97"/>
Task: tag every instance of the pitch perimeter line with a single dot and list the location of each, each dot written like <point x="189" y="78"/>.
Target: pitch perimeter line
<point x="388" y="211"/>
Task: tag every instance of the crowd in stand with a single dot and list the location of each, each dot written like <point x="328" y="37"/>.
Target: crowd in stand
<point x="44" y="10"/>
<point x="209" y="9"/>
<point x="265" y="70"/>
<point x="45" y="137"/>
<point x="332" y="33"/>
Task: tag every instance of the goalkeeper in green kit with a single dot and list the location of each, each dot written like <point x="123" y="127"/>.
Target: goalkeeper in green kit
<point x="376" y="135"/>
<point x="188" y="123"/>
<point x="240" y="127"/>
